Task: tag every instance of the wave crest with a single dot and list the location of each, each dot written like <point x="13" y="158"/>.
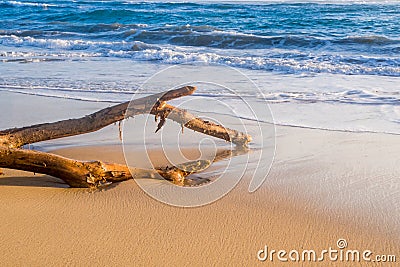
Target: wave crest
<point x="290" y="61"/>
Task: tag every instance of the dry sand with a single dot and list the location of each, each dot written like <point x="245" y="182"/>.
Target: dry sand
<point x="322" y="186"/>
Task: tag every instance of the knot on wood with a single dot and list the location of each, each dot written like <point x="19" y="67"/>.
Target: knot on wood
<point x="97" y="182"/>
<point x="96" y="176"/>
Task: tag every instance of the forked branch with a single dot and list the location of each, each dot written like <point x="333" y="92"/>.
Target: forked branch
<point x="97" y="173"/>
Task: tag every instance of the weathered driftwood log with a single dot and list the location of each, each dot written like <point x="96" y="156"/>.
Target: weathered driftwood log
<point x="90" y="173"/>
<point x="96" y="173"/>
<point x="154" y="104"/>
<point x="74" y="173"/>
<point x="18" y="137"/>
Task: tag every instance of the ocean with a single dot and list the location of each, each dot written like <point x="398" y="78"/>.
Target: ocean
<point x="317" y="64"/>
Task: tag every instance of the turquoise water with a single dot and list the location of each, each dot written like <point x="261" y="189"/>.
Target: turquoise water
<point x="314" y="56"/>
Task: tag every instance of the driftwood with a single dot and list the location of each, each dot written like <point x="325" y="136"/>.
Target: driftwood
<point x="189" y="121"/>
<point x="96" y="173"/>
<point x="18" y="137"/>
<point x="93" y="173"/>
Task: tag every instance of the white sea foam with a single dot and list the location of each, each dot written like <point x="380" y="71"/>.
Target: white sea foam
<point x="18" y="3"/>
<point x="294" y="63"/>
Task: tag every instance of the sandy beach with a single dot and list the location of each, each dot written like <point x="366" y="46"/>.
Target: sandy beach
<point x="323" y="186"/>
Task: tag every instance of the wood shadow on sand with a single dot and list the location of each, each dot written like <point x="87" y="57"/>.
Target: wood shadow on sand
<point x="33" y="180"/>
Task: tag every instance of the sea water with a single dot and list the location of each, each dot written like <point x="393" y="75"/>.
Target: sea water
<point x="320" y="64"/>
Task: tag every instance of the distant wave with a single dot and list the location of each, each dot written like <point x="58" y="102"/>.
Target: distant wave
<point x="272" y="60"/>
<point x="66" y="44"/>
<point x="18" y="3"/>
<point x="209" y="36"/>
<point x="369" y="40"/>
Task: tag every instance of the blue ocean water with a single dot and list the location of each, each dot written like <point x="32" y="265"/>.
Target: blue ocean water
<point x="354" y="46"/>
<point x="289" y="38"/>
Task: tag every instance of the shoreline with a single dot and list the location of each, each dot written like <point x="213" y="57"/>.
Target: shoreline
<point x="98" y="104"/>
<point x="323" y="186"/>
